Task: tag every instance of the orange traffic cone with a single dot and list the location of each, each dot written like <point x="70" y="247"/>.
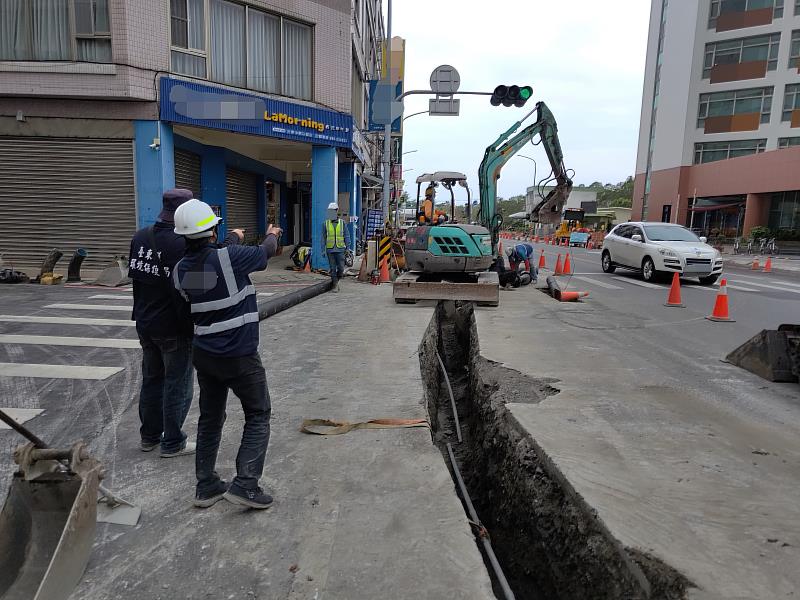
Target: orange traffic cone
<point x="768" y="265"/>
<point x="536" y="239"/>
<point x="542" y="264"/>
<point x="567" y="266"/>
<point x="674" y="298"/>
<point x="558" y="270"/>
<point x="385" y="277"/>
<point x="500" y="248"/>
<point x="307" y="268"/>
<point x="571" y="296"/>
<point x="755" y="266"/>
<point x="720" y="312"/>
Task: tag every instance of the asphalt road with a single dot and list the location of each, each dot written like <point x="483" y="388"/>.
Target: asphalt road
<point x="757" y="300"/>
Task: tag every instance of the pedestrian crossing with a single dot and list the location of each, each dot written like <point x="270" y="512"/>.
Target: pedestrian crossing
<point x="736" y="283"/>
<point x="89" y="307"/>
<point x="57" y="371"/>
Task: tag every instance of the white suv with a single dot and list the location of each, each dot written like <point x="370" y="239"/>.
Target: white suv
<point x="659" y="249"/>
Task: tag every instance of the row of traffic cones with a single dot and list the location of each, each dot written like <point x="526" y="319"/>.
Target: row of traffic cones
<point x="767" y="266"/>
<point x="721" y="310"/>
<point x="565" y="269"/>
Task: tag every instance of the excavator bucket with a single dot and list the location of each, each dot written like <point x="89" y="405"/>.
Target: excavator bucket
<point x="47" y="523"/>
<point x="771" y="354"/>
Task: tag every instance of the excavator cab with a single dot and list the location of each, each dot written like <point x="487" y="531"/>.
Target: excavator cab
<point x="439" y="243"/>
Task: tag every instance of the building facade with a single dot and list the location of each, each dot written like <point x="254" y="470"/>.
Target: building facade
<point x="257" y="106"/>
<point x="719" y="138"/>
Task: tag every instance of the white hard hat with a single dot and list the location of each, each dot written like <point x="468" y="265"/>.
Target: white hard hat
<point x="509" y="251"/>
<point x="195" y="219"/>
<point x="333" y="206"/>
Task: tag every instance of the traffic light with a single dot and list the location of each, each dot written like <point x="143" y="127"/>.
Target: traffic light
<point x="511" y="95"/>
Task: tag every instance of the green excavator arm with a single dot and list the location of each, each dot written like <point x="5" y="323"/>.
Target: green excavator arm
<point x="549" y="208"/>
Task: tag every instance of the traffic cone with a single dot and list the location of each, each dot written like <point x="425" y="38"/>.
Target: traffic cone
<point x="500" y="248"/>
<point x="755" y="266"/>
<point x="674" y="298"/>
<point x="558" y="270"/>
<point x="542" y="264"/>
<point x="385" y="277"/>
<point x="571" y="296"/>
<point x="567" y="266"/>
<point x="768" y="265"/>
<point x="307" y="268"/>
<point x="536" y="239"/>
<point x="720" y="312"/>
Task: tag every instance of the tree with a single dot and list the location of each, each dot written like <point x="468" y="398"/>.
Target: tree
<point x="620" y="194"/>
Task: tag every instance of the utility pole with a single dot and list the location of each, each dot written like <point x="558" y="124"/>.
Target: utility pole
<point x="387" y="129"/>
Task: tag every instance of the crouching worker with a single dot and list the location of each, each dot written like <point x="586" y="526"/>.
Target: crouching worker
<point x="215" y="282"/>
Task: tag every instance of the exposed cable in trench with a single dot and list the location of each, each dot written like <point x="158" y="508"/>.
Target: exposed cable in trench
<point x="482" y="533"/>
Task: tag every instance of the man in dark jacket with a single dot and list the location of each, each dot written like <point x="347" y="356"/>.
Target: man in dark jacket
<point x="165" y="332"/>
<point x="215" y="281"/>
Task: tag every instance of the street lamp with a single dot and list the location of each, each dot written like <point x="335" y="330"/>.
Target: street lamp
<point x="422" y="112"/>
<point x="409" y="152"/>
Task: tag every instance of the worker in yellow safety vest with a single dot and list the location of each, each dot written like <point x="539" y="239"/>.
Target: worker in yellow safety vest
<point x="336" y="240"/>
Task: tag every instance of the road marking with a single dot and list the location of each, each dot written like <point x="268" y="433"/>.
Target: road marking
<point x="111" y="297"/>
<point x="89" y="307"/>
<point x="20" y="415"/>
<point x="267" y="293"/>
<point x="52" y="340"/>
<point x="754" y="281"/>
<point x="601" y="284"/>
<point x="56" y="371"/>
<point x="773" y="287"/>
<point x="646" y="284"/>
<point x="65" y="320"/>
<point x="738" y="288"/>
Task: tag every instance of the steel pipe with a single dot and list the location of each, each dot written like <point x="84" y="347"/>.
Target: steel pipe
<point x="74" y="268"/>
<point x="272" y="307"/>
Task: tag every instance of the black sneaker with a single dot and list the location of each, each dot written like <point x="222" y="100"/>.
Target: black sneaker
<point x="149" y="446"/>
<point x="210" y="498"/>
<point x="255" y="498"/>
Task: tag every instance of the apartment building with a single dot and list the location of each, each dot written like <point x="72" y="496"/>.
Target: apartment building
<point x="719" y="139"/>
<point x="258" y="106"/>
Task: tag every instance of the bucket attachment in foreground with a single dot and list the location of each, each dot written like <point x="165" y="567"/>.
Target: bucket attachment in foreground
<point x="771" y="354"/>
<point x="47" y="524"/>
<point x="482" y="288"/>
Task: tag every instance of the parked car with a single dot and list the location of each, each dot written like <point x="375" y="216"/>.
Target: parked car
<point x="660" y="249"/>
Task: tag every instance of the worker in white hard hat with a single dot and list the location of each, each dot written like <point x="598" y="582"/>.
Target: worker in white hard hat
<point x="215" y="281"/>
<point x="335" y="240"/>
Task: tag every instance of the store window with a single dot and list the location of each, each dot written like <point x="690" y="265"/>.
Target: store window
<point x="784" y="211"/>
<point x="739" y="102"/>
<point x="751" y="49"/>
<point x="713" y="151"/>
<point x="721" y="7"/>
<point x="791" y="101"/>
<point x="247" y="48"/>
<point x="71" y="30"/>
<point x="794" y="48"/>
<point x="788" y="142"/>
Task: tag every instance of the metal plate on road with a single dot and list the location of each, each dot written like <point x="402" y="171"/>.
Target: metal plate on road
<point x="445" y="80"/>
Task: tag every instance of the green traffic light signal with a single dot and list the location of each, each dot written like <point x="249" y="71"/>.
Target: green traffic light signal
<point x="525" y="93"/>
<point x="511" y="95"/>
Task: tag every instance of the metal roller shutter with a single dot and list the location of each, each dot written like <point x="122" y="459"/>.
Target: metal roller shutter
<point x="187" y="171"/>
<point x="242" y="199"/>
<point x="66" y="193"/>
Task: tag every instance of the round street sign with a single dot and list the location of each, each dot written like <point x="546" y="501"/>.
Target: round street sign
<point x="445" y="80"/>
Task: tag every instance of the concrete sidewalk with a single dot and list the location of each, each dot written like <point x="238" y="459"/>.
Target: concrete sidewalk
<point x="684" y="457"/>
<point x="369" y="514"/>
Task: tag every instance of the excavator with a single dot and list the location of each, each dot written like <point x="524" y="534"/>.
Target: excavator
<point x="461" y="253"/>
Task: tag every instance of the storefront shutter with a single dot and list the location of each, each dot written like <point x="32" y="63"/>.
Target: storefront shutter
<point x="65" y="193"/>
<point x="242" y="198"/>
<point x="187" y="171"/>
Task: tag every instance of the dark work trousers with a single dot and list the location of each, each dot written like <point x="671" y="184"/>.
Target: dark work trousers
<point x="246" y="378"/>
<point x="336" y="262"/>
<point x="166" y="393"/>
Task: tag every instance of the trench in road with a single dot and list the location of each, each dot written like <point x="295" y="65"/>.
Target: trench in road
<point x="550" y="543"/>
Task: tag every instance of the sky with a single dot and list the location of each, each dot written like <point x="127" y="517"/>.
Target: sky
<point x="583" y="58"/>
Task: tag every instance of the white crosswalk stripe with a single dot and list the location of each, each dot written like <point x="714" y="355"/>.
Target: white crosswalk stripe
<point x="89" y="307"/>
<point x="56" y="371"/>
<point x="112" y="297"/>
<point x="766" y="280"/>
<point x="20" y="415"/>
<point x="601" y="284"/>
<point x="645" y="284"/>
<point x="265" y="294"/>
<point x="52" y="340"/>
<point x="772" y="286"/>
<point x="65" y="320"/>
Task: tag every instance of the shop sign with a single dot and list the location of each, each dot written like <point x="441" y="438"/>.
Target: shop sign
<point x="215" y="107"/>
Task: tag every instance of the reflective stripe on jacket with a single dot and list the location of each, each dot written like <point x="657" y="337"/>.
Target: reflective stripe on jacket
<point x="215" y="282"/>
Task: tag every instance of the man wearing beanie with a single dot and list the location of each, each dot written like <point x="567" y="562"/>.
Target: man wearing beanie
<point x="165" y="328"/>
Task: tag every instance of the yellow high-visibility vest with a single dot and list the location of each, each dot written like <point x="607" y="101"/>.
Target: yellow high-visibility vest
<point x="335" y="234"/>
